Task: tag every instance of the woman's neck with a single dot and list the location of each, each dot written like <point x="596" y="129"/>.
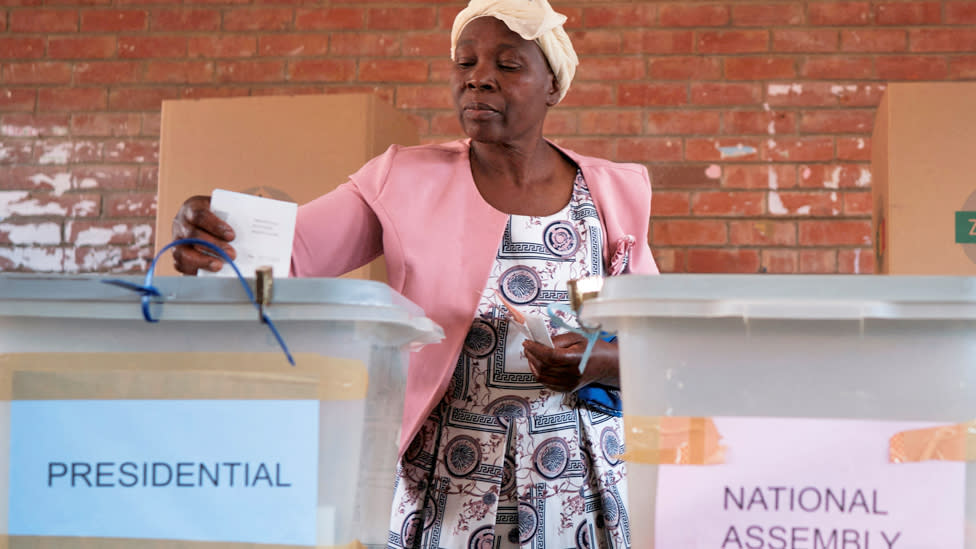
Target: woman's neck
<point x="525" y="180"/>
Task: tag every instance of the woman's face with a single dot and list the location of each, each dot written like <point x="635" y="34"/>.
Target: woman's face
<point x="501" y="83"/>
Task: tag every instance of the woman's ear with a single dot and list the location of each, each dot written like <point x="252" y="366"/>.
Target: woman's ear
<point x="553" y="96"/>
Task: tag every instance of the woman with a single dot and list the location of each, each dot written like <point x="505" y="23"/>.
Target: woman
<point x="497" y="449"/>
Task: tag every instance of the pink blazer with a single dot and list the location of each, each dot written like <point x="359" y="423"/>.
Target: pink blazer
<point x="419" y="206"/>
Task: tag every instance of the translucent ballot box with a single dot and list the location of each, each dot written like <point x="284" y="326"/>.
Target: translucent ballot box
<point x="196" y="432"/>
<point x="796" y="411"/>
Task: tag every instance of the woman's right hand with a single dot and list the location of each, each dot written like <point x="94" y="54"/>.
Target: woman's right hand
<point x="195" y="220"/>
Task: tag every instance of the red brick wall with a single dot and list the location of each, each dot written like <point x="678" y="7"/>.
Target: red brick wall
<point x="753" y="117"/>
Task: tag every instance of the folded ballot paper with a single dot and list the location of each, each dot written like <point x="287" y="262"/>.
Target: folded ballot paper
<point x="264" y="228"/>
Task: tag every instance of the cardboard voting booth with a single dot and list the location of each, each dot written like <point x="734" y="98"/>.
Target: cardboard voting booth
<point x="196" y="432"/>
<point x="785" y="411"/>
<point x="293" y="148"/>
<point x="922" y="179"/>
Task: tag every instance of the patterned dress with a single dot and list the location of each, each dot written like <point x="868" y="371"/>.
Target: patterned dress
<point x="502" y="461"/>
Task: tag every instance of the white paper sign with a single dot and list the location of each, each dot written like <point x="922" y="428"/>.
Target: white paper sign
<point x="233" y="471"/>
<point x="264" y="231"/>
<point x="810" y="484"/>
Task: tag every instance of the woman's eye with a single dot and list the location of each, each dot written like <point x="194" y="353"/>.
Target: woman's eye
<point x="509" y="66"/>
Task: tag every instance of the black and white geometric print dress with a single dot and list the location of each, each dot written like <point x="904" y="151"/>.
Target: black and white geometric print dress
<point x="502" y="461"/>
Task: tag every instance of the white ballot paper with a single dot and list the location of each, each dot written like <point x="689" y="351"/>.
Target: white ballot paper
<point x="264" y="228"/>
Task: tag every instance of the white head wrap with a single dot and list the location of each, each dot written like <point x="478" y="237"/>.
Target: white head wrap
<point x="532" y="20"/>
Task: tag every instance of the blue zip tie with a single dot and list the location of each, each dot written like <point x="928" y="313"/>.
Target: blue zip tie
<point x="149" y="291"/>
<point x="590" y="335"/>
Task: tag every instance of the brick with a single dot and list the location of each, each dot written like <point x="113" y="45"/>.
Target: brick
<point x="144" y="47"/>
<point x="759" y="68"/>
<point x="132" y="150"/>
<point x="693" y="15"/>
<point x="683" y="122"/>
<point x="404" y="18"/>
<point x="837" y="67"/>
<point x="250" y="71"/>
<point x="858" y="203"/>
<point x="107" y="72"/>
<point x="765" y="122"/>
<point x="558" y="122"/>
<point x="960" y="12"/>
<point x="908" y="13"/>
<point x="105" y="124"/>
<point x="67" y="205"/>
<point x="650" y="95"/>
<point x="801" y="94"/>
<point x="805" y="41"/>
<point x="879" y="41"/>
<point x="723" y="261"/>
<point x="139" y="99"/>
<point x="393" y="70"/>
<point x="447" y="124"/>
<point x="803" y="203"/>
<point x="649" y="149"/>
<point x="798" y="149"/>
<point x="962" y="67"/>
<point x="151" y="123"/>
<point x="20" y="151"/>
<point x="17" y="99"/>
<point x="426" y="44"/>
<point x="185" y="19"/>
<point x="604" y="122"/>
<point x="446" y="15"/>
<point x="106" y="177"/>
<point x="330" y="19"/>
<point x="442" y="69"/>
<point x="326" y="70"/>
<point x="113" y="20"/>
<point x="132" y="204"/>
<point x="366" y="44"/>
<point x="858" y="95"/>
<point x="217" y="2"/>
<point x="837" y="121"/>
<point x="725" y="42"/>
<point x="149" y="176"/>
<point x="71" y="99"/>
<point x="697" y="67"/>
<point x="36" y="178"/>
<point x="854" y="148"/>
<point x="762" y="233"/>
<point x="44" y="20"/>
<point x="661" y="42"/>
<point x="34" y="125"/>
<point x="585" y="94"/>
<point x="587" y="43"/>
<point x="258" y="19"/>
<point x="603" y="148"/>
<point x="721" y="203"/>
<point x="669" y="260"/>
<point x="679" y="232"/>
<point x="89" y="47"/>
<point x="423" y="97"/>
<point x="27" y="47"/>
<point x="768" y="176"/>
<point x="670" y="203"/>
<point x="62" y="151"/>
<point x="180" y="72"/>
<point x="602" y="17"/>
<point x="833" y="13"/>
<point x="835" y="233"/>
<point x="223" y="46"/>
<point x="726" y="150"/>
<point x="37" y="73"/>
<point x="34" y="259"/>
<point x="101" y="233"/>
<point x="944" y="39"/>
<point x="30" y="233"/>
<point x="768" y="15"/>
<point x="835" y="176"/>
<point x="613" y="68"/>
<point x="779" y="261"/>
<point x="293" y="45"/>
<point x="678" y="176"/>
<point x="721" y="93"/>
<point x="818" y="261"/>
<point x="148" y="3"/>
<point x="856" y="261"/>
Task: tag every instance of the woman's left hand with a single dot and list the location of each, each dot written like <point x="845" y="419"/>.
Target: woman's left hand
<point x="557" y="367"/>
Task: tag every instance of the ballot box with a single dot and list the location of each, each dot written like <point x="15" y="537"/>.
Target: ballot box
<point x="769" y="411"/>
<point x="196" y="431"/>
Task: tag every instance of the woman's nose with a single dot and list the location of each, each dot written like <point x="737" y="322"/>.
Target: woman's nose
<point x="481" y="78"/>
